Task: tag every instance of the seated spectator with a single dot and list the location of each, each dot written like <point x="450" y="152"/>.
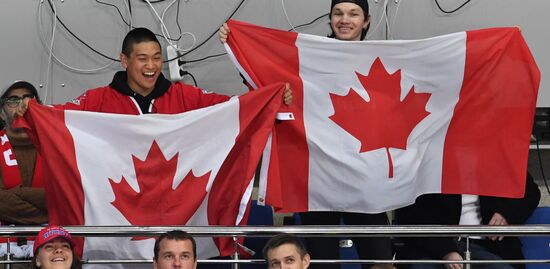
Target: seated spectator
<point x="286" y="251"/>
<point x="54" y="249"/>
<point x="22" y="200"/>
<point x="175" y="249"/>
<point x="446" y="209"/>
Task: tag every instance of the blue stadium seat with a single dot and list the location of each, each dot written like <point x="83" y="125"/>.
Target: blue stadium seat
<point x="259" y="215"/>
<point x="537" y="248"/>
<point x="346" y="253"/>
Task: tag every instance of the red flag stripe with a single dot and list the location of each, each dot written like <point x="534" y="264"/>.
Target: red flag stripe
<point x="256" y="122"/>
<point x="496" y="61"/>
<point x="69" y="208"/>
<point x="296" y="157"/>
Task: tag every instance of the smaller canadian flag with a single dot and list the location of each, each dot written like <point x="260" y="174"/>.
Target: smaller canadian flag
<point x="194" y="168"/>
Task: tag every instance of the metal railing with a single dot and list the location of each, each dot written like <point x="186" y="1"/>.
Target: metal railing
<point x="307" y="231"/>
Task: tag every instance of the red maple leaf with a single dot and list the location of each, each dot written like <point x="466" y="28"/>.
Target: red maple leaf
<point x="156" y="203"/>
<point x="384" y="121"/>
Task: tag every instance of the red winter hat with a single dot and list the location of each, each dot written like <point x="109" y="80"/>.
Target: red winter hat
<point x="50" y="233"/>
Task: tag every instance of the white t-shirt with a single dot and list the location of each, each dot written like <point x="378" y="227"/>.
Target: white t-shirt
<point x="471" y="213"/>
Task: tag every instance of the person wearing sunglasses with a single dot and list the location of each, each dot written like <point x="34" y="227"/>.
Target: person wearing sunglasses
<point x="22" y="200"/>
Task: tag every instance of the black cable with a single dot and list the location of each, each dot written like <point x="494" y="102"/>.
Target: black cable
<point x="153" y="2"/>
<point x="452" y="11"/>
<point x="192" y="77"/>
<point x="311" y="22"/>
<point x="215" y="32"/>
<point x="221" y="54"/>
<point x="128" y="24"/>
<point x="118" y="10"/>
<point x="77" y="38"/>
<point x="178" y="20"/>
<point x="204" y="58"/>
<point x="209" y="37"/>
<point x="387" y="23"/>
<point x="179" y="27"/>
<point x="120" y="13"/>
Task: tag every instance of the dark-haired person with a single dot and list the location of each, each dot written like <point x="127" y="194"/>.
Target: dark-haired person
<point x="349" y="21"/>
<point x="54" y="249"/>
<point x="175" y="249"/>
<point x="142" y="88"/>
<point x="285" y="251"/>
<point x="22" y="200"/>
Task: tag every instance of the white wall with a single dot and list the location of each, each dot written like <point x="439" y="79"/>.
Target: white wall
<point x="421" y="18"/>
<point x="24" y="56"/>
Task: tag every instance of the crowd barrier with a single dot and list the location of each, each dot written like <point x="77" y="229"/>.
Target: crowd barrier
<point x="394" y="231"/>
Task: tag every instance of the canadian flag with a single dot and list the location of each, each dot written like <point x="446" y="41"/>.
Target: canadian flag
<point x="379" y="123"/>
<point x="194" y="168"/>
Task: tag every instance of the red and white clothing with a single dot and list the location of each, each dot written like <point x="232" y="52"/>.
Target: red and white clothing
<point x="22" y="200"/>
<point x="21" y="189"/>
<point x="166" y="98"/>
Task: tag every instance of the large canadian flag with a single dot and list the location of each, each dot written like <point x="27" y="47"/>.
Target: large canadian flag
<point x="194" y="168"/>
<point x="379" y="123"/>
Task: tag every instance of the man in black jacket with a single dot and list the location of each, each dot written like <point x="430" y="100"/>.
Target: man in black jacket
<point x="445" y="209"/>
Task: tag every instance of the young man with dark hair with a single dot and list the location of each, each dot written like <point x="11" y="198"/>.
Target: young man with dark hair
<point x="142" y="88"/>
<point x="349" y="21"/>
<point x="286" y="251"/>
<point x="175" y="249"/>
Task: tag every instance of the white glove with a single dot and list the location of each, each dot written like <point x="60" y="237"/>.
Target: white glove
<point x="27" y="249"/>
<point x="14" y="249"/>
<point x="2" y="249"/>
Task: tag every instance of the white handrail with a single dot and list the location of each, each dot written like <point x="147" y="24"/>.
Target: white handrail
<point x="310" y="230"/>
<point x="317" y="231"/>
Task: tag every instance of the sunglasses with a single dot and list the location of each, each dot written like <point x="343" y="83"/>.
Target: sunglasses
<point x="14" y="101"/>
